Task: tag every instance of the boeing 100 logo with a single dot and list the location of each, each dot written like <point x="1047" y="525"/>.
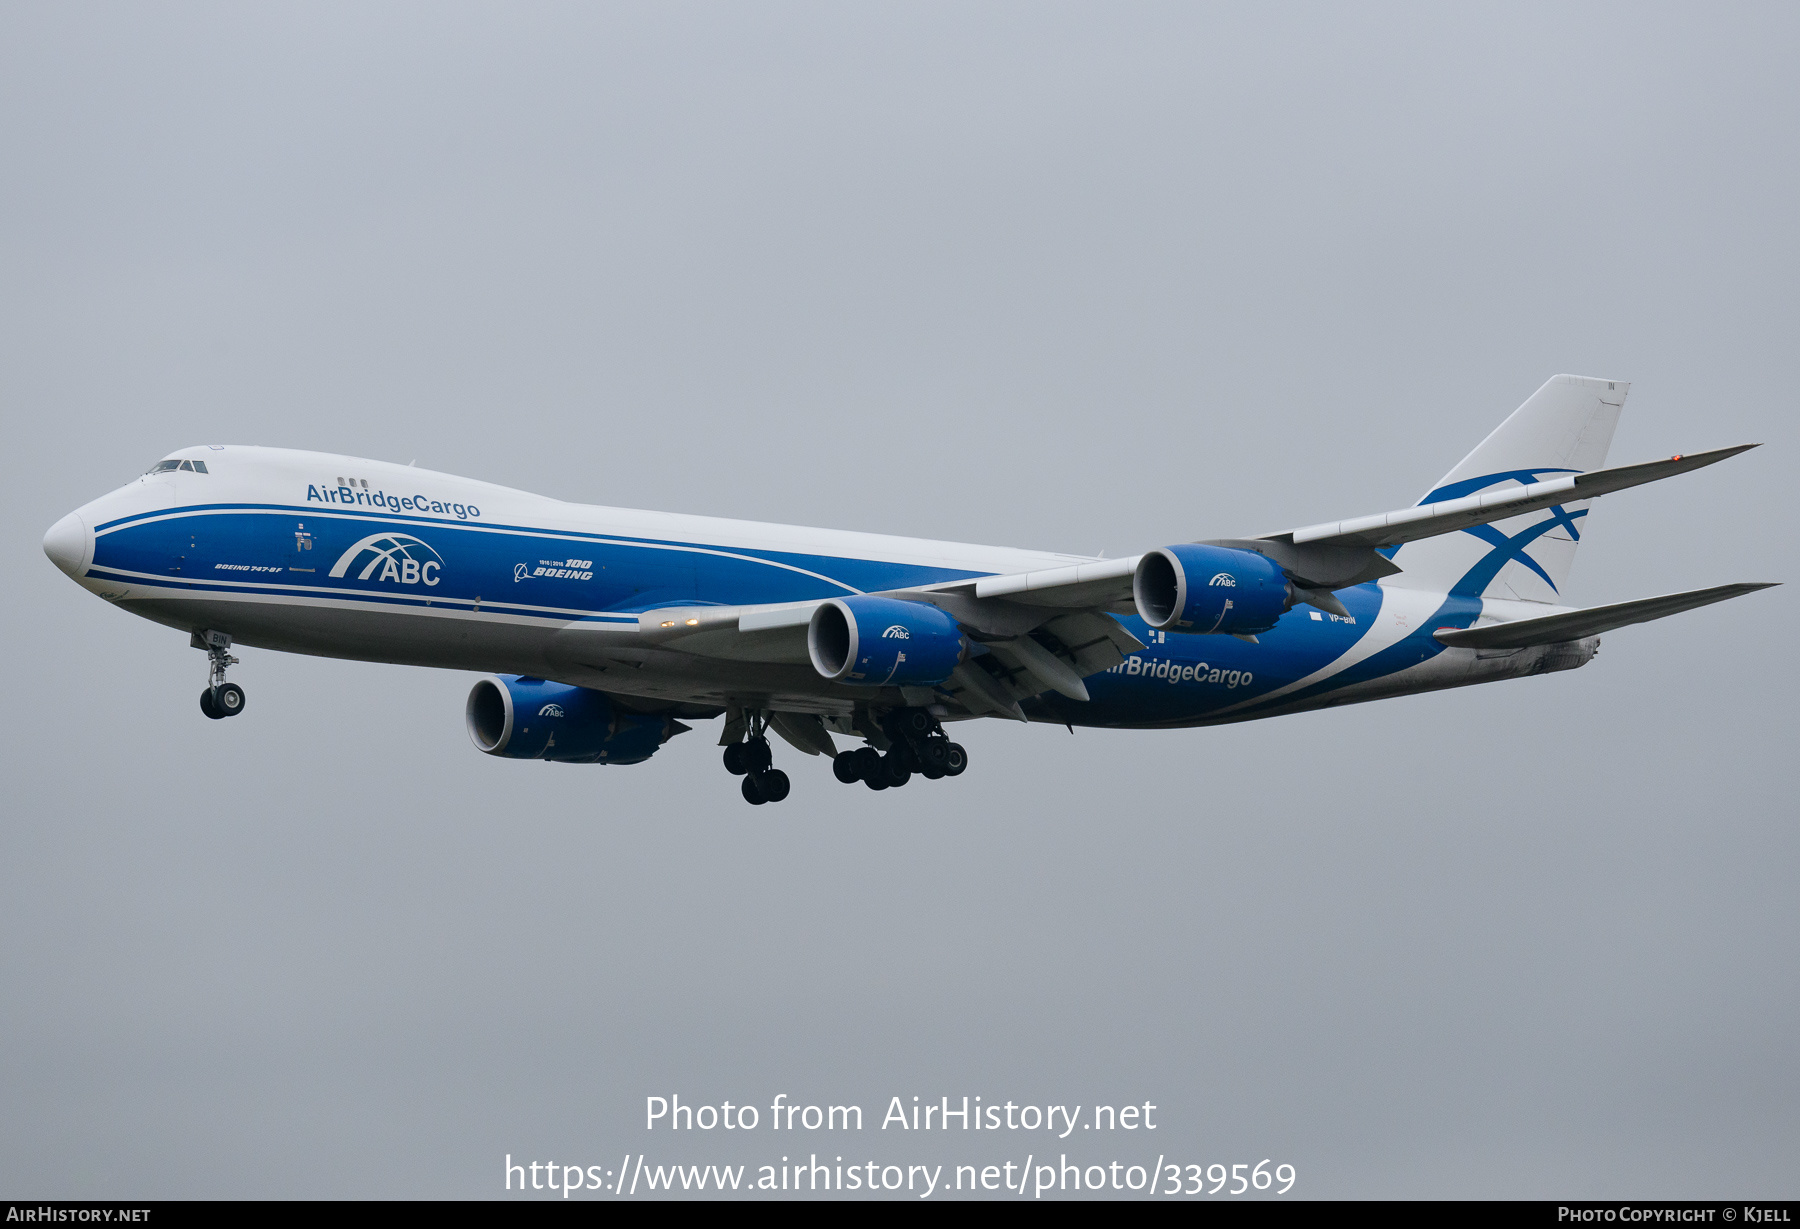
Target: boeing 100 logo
<point x="555" y="569"/>
<point x="393" y="557"/>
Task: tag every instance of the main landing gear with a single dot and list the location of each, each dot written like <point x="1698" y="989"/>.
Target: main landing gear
<point x="750" y="760"/>
<point x="220" y="699"/>
<point x="916" y="742"/>
<point x="919" y="745"/>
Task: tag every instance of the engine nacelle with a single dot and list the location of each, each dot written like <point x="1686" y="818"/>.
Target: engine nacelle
<point x="882" y="642"/>
<point x="1206" y="589"/>
<point x="531" y="719"/>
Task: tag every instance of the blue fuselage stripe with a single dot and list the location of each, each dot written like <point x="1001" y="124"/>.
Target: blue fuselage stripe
<point x="465" y="570"/>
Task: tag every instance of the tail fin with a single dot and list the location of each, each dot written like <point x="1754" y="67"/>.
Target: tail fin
<point x="1565" y="428"/>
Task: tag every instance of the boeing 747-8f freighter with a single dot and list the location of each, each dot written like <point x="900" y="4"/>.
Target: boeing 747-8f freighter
<point x="601" y="630"/>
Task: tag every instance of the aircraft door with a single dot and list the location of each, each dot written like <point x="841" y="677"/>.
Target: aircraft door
<point x="300" y="547"/>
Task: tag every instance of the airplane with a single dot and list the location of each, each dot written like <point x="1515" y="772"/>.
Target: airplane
<point x="600" y="631"/>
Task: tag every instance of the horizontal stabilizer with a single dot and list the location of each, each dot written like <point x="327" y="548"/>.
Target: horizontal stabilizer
<point x="1448" y="516"/>
<point x="1553" y="629"/>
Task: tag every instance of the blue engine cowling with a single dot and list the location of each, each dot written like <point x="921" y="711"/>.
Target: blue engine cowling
<point x="882" y="641"/>
<point x="531" y="719"/>
<point x="1205" y="589"/>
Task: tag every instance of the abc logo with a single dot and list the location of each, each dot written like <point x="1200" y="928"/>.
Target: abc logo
<point x="1224" y="579"/>
<point x="397" y="558"/>
<point x="896" y="632"/>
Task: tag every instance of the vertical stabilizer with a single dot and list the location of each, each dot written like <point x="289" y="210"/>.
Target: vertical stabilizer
<point x="1565" y="428"/>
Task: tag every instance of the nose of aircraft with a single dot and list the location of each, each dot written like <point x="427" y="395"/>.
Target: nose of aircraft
<point x="69" y="543"/>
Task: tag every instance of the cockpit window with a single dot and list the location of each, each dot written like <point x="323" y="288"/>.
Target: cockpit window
<point x="163" y="467"/>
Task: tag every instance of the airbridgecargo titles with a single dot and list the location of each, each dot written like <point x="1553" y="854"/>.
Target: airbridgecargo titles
<point x="601" y="632"/>
<point x="394" y="503"/>
<point x="1181" y="672"/>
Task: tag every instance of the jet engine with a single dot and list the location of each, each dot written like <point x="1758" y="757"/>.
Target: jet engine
<point x="533" y="719"/>
<point x="1205" y="589"/>
<point x="882" y="641"/>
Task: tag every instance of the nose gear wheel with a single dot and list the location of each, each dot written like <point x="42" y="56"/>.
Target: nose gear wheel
<point x="220" y="699"/>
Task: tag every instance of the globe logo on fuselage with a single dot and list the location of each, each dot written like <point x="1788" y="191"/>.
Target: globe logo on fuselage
<point x="396" y="558"/>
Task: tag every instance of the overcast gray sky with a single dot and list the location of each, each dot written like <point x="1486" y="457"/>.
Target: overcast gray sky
<point x="1078" y="277"/>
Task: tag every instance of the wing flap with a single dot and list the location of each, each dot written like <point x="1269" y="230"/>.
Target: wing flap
<point x="980" y="692"/>
<point x="1575" y="624"/>
<point x="804" y="732"/>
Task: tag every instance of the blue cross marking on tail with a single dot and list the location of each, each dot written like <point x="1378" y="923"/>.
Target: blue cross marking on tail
<point x="1506" y="550"/>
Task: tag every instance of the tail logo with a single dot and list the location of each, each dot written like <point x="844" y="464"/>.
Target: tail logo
<point x="1224" y="579"/>
<point x="393" y="557"/>
<point x="1503" y="549"/>
<point x="896" y="632"/>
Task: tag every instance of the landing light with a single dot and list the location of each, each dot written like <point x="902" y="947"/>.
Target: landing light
<point x="693" y="623"/>
<point x="668" y="623"/>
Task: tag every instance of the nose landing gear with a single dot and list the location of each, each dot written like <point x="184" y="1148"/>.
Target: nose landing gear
<point x="220" y="699"/>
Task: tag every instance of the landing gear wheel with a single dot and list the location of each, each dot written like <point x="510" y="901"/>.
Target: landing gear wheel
<point x="873" y="768"/>
<point x="228" y="699"/>
<point x="207" y="706"/>
<point x="957" y="761"/>
<point x="934" y="758"/>
<point x="846" y="767"/>
<point x="895" y="770"/>
<point x="750" y="756"/>
<point x="771" y="785"/>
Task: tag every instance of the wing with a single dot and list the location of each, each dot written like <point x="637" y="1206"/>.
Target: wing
<point x="1335" y="554"/>
<point x="1022" y="650"/>
<point x="1430" y="520"/>
<point x="1047" y="630"/>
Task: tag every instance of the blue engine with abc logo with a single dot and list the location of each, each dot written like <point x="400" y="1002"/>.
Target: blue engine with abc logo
<point x="883" y="642"/>
<point x="533" y="719"/>
<point x="1210" y="589"/>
